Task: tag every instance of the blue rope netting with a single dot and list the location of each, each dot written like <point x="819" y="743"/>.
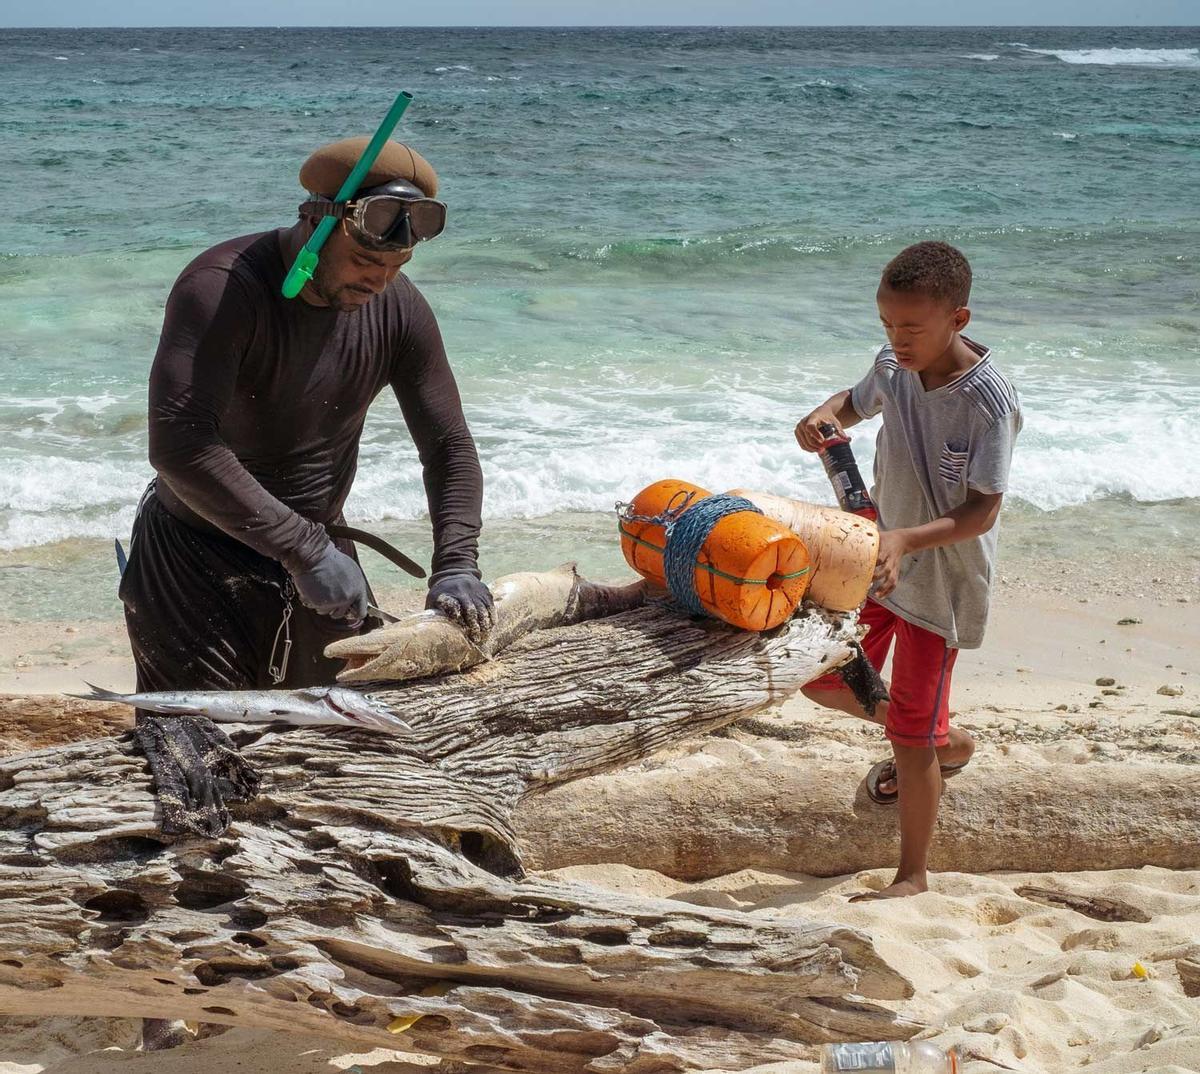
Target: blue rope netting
<point x="686" y="534"/>
<point x="687" y="526"/>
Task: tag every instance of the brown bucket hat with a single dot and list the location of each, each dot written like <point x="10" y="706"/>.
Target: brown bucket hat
<point x="327" y="168"/>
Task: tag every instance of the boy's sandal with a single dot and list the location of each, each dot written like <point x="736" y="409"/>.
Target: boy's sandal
<point x="881" y="772"/>
<point x="885" y="771"/>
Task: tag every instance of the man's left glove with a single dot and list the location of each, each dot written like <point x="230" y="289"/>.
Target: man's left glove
<point x="465" y="599"/>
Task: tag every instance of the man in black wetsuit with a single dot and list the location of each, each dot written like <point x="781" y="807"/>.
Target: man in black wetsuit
<point x="257" y="404"/>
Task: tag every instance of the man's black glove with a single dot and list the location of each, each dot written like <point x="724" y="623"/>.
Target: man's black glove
<point x="335" y="586"/>
<point x="465" y="599"/>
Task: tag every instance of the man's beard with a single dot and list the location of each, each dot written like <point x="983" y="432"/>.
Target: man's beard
<point x="340" y="298"/>
<point x="348" y="299"/>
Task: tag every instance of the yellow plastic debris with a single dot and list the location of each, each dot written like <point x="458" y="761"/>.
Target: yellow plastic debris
<point x="407" y="1021"/>
<point x="1140" y="972"/>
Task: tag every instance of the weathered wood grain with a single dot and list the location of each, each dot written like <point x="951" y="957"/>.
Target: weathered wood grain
<point x="377" y="878"/>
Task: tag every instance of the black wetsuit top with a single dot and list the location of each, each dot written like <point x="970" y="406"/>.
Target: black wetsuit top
<point x="257" y="404"/>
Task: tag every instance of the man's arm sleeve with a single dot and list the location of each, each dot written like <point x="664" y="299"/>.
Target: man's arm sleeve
<point x="429" y="400"/>
<point x="206" y="330"/>
<point x="991" y="454"/>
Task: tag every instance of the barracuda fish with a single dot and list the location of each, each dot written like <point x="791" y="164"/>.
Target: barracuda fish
<point x="319" y="706"/>
<point x="429" y="643"/>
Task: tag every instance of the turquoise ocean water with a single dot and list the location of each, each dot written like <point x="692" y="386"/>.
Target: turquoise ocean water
<point x="663" y="249"/>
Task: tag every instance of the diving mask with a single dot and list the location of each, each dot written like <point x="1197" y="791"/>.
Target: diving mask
<point x="395" y="215"/>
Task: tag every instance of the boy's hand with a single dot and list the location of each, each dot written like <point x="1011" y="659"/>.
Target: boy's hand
<point x="808" y="431"/>
<point x="893" y="547"/>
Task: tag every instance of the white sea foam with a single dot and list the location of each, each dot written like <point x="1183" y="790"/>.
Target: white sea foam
<point x="1064" y="459"/>
<point x="28" y="530"/>
<point x="47" y="483"/>
<point x="546" y="452"/>
<point x="1066" y="136"/>
<point x="981" y="56"/>
<point x="46" y="498"/>
<point x="568" y="433"/>
<point x="1115" y="57"/>
<point x="1059" y="463"/>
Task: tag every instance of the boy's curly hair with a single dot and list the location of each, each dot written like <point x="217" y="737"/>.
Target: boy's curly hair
<point x="935" y="269"/>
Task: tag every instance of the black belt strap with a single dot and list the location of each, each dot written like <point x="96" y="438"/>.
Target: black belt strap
<point x="379" y="545"/>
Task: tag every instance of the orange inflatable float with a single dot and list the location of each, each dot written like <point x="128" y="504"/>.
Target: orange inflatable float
<point x="843" y="547"/>
<point x="716" y="554"/>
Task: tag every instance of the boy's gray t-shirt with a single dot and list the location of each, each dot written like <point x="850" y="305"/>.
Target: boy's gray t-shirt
<point x="933" y="447"/>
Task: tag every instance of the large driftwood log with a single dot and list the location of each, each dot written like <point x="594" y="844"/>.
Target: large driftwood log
<point x="817" y="819"/>
<point x="33" y="721"/>
<point x="377" y="878"/>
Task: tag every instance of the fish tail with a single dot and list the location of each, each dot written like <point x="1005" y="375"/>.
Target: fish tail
<point x="143" y="701"/>
<point x="99" y="693"/>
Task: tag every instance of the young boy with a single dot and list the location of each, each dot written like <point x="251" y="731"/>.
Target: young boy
<point x="950" y="418"/>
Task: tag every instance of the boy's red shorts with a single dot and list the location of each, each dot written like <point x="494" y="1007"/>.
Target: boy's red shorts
<point x="919" y="713"/>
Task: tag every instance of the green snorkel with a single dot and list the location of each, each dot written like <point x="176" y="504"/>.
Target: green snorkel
<point x="306" y="260"/>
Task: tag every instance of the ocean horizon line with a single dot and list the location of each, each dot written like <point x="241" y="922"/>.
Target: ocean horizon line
<point x="629" y="26"/>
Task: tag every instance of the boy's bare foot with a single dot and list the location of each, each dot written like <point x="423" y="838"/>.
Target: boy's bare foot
<point x="899" y="889"/>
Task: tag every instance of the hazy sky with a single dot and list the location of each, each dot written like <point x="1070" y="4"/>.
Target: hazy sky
<point x="598" y="12"/>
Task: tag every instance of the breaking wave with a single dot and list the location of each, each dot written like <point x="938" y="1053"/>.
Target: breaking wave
<point x="1116" y="57"/>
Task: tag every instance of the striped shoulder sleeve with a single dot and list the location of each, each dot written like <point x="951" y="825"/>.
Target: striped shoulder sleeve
<point x="868" y="394"/>
<point x="991" y="451"/>
<point x="886" y="359"/>
<point x="992" y="394"/>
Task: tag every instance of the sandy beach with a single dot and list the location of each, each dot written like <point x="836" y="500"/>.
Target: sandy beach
<point x="1014" y="983"/>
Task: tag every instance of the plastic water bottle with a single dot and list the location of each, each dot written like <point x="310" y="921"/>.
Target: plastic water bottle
<point x="886" y="1057"/>
<point x="848" y="485"/>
